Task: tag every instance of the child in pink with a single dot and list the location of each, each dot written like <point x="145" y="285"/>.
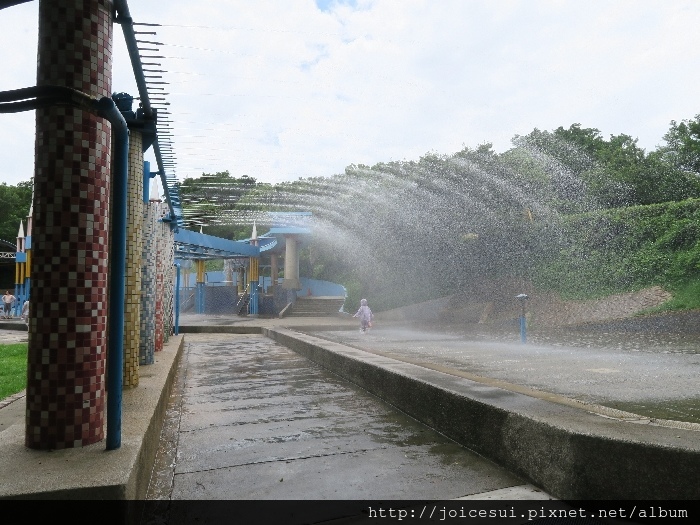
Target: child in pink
<point x="365" y="315"/>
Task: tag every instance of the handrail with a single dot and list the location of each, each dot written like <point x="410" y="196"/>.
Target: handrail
<point x="189" y="300"/>
<point x="241" y="300"/>
<point x="284" y="310"/>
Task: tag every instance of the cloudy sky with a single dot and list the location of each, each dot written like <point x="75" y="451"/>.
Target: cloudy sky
<point x="279" y="90"/>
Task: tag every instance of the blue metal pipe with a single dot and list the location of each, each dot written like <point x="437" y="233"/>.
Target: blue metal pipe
<point x="177" y="299"/>
<point x="523" y="320"/>
<point x="199" y="298"/>
<point x="146" y="181"/>
<point x="19" y="295"/>
<point x="117" y="279"/>
<point x="254" y="298"/>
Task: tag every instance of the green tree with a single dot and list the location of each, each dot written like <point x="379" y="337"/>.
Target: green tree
<point x="617" y="172"/>
<point x="15" y="202"/>
<point x="660" y="181"/>
<point x="589" y="140"/>
<point x="683" y="145"/>
<point x="651" y="178"/>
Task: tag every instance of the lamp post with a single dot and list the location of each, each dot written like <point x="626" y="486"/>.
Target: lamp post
<point x="522" y="298"/>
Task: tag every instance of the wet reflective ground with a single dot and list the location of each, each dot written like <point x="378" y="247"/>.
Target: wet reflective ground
<point x="249" y="419"/>
<point x="654" y="375"/>
<point x="687" y="409"/>
<point x="654" y="343"/>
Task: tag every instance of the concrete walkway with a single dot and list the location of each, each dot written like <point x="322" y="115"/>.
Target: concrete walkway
<point x="258" y="421"/>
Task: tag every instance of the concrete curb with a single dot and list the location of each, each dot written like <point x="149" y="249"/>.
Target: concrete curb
<point x="570" y="453"/>
<point x="219" y="329"/>
<point x="91" y="472"/>
<point x="16" y="324"/>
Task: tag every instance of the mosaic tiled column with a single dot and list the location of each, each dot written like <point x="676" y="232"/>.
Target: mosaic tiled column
<point x="160" y="288"/>
<point x="67" y="331"/>
<point x="134" y="253"/>
<point x="169" y="281"/>
<point x="148" y="285"/>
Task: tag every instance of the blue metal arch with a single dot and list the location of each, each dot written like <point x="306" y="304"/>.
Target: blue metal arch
<point x="193" y="245"/>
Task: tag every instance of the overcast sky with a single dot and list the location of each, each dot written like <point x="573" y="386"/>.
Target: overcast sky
<point x="283" y="89"/>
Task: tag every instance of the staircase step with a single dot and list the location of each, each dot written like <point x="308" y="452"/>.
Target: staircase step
<point x="316" y="307"/>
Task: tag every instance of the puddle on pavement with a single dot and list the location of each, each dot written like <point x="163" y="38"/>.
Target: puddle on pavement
<point x="161" y="481"/>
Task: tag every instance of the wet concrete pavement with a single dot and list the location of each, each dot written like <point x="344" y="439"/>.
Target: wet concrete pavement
<point x="250" y="419"/>
<point x="635" y="373"/>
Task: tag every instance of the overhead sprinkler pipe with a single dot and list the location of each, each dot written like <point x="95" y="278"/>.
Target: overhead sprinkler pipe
<point x="127" y="23"/>
<point x="45" y="96"/>
<point x="163" y="178"/>
<point x="125" y="20"/>
<point x="522" y="298"/>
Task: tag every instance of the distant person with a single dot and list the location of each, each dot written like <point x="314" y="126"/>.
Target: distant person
<point x="365" y="315"/>
<point x="25" y="313"/>
<point x="7" y="301"/>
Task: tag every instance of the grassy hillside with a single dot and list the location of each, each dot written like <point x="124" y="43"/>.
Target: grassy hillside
<point x="625" y="249"/>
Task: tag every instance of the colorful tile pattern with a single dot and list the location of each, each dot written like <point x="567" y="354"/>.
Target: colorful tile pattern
<point x="67" y="330"/>
<point x="160" y="286"/>
<point x="134" y="253"/>
<point x="168" y="282"/>
<point x="148" y="285"/>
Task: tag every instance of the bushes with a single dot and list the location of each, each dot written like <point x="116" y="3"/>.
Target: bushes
<point x="624" y="249"/>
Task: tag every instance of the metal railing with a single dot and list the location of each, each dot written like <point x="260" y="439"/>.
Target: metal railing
<point x="243" y="301"/>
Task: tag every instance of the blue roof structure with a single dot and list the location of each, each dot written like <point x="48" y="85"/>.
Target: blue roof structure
<point x="288" y="223"/>
<point x="193" y="245"/>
